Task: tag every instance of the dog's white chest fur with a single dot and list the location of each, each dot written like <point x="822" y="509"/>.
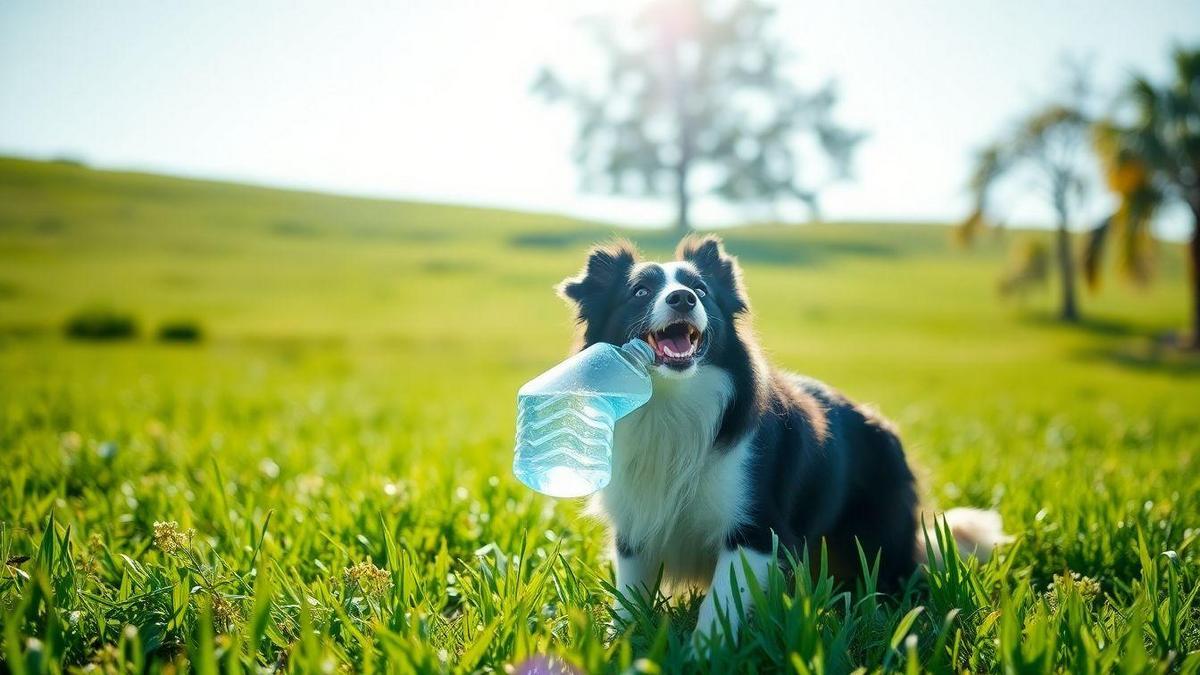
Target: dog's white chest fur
<point x="673" y="496"/>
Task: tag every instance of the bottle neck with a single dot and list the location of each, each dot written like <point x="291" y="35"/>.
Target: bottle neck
<point x="639" y="352"/>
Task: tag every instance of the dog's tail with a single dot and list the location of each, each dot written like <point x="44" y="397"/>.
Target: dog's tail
<point x="975" y="532"/>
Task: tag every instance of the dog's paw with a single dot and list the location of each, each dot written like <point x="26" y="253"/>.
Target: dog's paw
<point x="708" y="623"/>
<point x="710" y="629"/>
<point x="705" y="640"/>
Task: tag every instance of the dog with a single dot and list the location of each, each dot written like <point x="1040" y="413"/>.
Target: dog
<point x="732" y="462"/>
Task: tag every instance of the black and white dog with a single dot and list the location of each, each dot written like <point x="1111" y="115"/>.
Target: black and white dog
<point x="730" y="452"/>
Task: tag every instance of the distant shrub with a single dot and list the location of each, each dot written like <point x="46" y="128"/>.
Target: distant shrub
<point x="101" y="323"/>
<point x="50" y="225"/>
<point x="180" y="330"/>
<point x="67" y="160"/>
<point x="294" y="228"/>
<point x="1029" y="268"/>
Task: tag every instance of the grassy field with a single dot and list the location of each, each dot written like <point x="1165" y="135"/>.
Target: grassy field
<point x="323" y="483"/>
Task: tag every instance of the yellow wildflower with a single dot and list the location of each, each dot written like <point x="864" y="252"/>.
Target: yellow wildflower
<point x="171" y="539"/>
<point x="373" y="581"/>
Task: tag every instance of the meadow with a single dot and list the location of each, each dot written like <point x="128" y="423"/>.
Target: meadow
<point x="323" y="482"/>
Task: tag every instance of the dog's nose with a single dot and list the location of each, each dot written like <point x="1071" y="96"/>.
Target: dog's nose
<point x="681" y="300"/>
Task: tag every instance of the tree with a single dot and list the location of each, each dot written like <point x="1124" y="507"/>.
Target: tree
<point x="1153" y="159"/>
<point x="694" y="101"/>
<point x="1047" y="147"/>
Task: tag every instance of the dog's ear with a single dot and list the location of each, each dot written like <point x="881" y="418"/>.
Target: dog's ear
<point x="708" y="255"/>
<point x="607" y="269"/>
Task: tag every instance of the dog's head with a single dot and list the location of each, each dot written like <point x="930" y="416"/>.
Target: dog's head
<point x="686" y="309"/>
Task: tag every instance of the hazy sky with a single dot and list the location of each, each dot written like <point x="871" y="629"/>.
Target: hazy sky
<point x="429" y="99"/>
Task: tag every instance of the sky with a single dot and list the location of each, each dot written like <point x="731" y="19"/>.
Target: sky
<point x="430" y="100"/>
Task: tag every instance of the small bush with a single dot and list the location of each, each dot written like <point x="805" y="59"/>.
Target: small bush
<point x="181" y="330"/>
<point x="67" y="160"/>
<point x="1028" y="268"/>
<point x="101" y="323"/>
<point x="294" y="228"/>
<point x="50" y="225"/>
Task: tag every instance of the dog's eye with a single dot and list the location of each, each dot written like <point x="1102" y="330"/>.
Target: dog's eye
<point x="700" y="291"/>
<point x="640" y="292"/>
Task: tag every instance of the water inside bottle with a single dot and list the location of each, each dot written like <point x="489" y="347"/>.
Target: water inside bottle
<point x="564" y="440"/>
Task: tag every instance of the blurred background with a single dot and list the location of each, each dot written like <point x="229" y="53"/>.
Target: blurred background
<point x="428" y="100"/>
<point x="631" y="113"/>
<point x="295" y="258"/>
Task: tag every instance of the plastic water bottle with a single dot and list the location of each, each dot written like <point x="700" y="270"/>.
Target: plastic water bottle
<point x="565" y="417"/>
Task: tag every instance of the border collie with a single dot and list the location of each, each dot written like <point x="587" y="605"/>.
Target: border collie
<point x="730" y="453"/>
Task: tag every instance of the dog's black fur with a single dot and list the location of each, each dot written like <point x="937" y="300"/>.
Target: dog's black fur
<point x="831" y="470"/>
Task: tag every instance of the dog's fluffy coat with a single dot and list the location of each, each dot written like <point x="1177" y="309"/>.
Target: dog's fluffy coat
<point x="729" y="452"/>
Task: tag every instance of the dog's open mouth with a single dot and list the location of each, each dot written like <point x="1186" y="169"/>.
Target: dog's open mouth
<point x="676" y="345"/>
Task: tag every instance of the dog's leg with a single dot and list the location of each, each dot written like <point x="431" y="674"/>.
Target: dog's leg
<point x="637" y="575"/>
<point x="730" y="580"/>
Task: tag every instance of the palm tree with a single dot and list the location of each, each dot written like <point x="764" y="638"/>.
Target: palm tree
<point x="1046" y="146"/>
<point x="1149" y="161"/>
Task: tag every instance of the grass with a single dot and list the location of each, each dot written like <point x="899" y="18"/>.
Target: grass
<point x="324" y="482"/>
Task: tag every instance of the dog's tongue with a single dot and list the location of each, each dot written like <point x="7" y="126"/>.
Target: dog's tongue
<point x="679" y="344"/>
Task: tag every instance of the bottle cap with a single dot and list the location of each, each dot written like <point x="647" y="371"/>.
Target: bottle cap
<point x="640" y="350"/>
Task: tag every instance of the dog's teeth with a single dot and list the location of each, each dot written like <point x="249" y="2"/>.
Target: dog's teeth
<point x="679" y="355"/>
